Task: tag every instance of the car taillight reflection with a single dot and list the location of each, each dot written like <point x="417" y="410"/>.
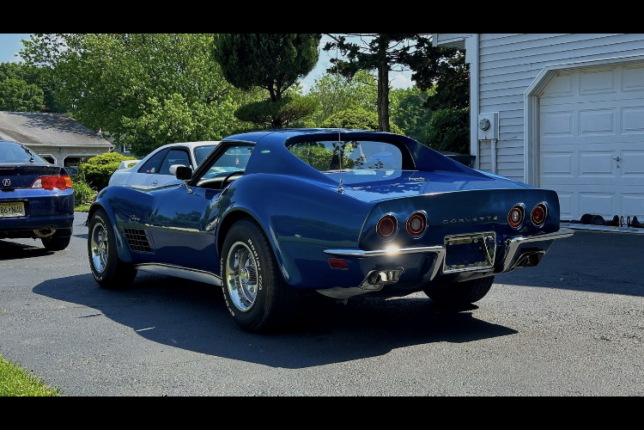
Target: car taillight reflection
<point x="50" y="182"/>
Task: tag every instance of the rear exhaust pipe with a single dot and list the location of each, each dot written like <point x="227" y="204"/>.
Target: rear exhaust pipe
<point x="45" y="232"/>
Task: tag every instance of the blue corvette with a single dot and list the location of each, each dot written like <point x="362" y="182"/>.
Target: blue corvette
<point x="36" y="198"/>
<point x="273" y="215"/>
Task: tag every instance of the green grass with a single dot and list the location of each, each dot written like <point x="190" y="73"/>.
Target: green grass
<point x="18" y="382"/>
<point x="81" y="208"/>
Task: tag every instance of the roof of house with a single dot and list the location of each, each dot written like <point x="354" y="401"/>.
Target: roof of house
<point x="47" y="129"/>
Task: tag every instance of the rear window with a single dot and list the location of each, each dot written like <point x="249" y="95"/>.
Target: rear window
<point x="348" y="155"/>
<point x="14" y="153"/>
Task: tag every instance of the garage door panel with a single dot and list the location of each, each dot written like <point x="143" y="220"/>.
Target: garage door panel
<point x="601" y="81"/>
<point x="557" y="124"/>
<point x="633" y="205"/>
<point x="557" y="165"/>
<point x="597" y="203"/>
<point x="633" y="79"/>
<point x="633" y="120"/>
<point x="596" y="165"/>
<point x="597" y="122"/>
<point x="632" y="164"/>
<point x="567" y="201"/>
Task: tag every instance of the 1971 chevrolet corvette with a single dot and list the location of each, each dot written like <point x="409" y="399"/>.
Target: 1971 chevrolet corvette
<point x="272" y="215"/>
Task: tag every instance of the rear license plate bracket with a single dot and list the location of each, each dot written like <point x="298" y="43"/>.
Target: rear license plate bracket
<point x="468" y="252"/>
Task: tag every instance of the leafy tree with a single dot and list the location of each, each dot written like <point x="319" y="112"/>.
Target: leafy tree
<point x="449" y="130"/>
<point x="381" y="52"/>
<point x="443" y="69"/>
<point x="38" y="76"/>
<point x="337" y="93"/>
<point x="142" y="90"/>
<point x="357" y="118"/>
<point x="271" y="61"/>
<point x="18" y="96"/>
<point x="408" y="111"/>
<point x="286" y="111"/>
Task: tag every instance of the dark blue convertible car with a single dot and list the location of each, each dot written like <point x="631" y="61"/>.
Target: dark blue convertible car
<point x="36" y="198"/>
<point x="271" y="216"/>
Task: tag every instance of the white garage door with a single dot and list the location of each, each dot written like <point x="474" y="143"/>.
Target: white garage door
<point x="592" y="141"/>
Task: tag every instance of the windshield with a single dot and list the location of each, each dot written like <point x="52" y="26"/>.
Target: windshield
<point x="201" y="152"/>
<point x="11" y="152"/>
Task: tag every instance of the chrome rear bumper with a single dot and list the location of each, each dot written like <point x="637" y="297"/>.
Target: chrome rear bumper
<point x="514" y="256"/>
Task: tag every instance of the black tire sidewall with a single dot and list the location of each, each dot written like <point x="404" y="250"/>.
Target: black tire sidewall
<point x="106" y="277"/>
<point x="247" y="232"/>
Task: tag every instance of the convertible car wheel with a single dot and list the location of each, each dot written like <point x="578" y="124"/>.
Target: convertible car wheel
<point x="108" y="270"/>
<point x="55" y="243"/>
<point x="255" y="293"/>
<point x="461" y="293"/>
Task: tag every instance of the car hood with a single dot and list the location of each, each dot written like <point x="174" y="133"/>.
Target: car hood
<point x="372" y="185"/>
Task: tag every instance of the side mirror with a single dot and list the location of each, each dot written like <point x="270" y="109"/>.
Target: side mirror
<point x="173" y="169"/>
<point x="181" y="172"/>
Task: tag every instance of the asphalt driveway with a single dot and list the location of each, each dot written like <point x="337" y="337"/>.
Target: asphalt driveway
<point x="572" y="326"/>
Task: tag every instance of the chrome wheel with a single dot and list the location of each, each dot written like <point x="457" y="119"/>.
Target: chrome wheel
<point x="241" y="276"/>
<point x="98" y="246"/>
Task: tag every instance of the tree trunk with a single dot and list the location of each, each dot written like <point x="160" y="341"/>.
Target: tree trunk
<point x="383" y="97"/>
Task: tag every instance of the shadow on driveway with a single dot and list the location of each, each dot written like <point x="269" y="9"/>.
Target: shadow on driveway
<point x="193" y="316"/>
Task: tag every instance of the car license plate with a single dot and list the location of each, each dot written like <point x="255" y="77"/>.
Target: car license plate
<point x="467" y="252"/>
<point x="8" y="210"/>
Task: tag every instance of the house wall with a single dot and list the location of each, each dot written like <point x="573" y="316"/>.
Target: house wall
<point x="509" y="63"/>
<point x="60" y="153"/>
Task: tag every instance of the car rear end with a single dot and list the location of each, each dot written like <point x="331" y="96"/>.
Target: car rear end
<point x="439" y="231"/>
<point x="36" y="198"/>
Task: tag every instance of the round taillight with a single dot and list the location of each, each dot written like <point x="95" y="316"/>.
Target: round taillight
<point x="538" y="214"/>
<point x="416" y="224"/>
<point x="515" y="216"/>
<point x="387" y="226"/>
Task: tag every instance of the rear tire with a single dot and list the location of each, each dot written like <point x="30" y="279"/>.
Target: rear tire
<point x="255" y="293"/>
<point x="108" y="270"/>
<point x="55" y="242"/>
<point x="461" y="293"/>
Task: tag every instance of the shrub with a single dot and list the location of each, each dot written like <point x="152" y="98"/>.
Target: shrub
<point x="83" y="193"/>
<point x="97" y="170"/>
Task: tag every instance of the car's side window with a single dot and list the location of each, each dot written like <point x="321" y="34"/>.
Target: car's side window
<point x="153" y="165"/>
<point x="175" y="156"/>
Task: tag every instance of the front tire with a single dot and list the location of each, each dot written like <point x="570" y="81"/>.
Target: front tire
<point x="108" y="270"/>
<point x="255" y="292"/>
<point x="461" y="293"/>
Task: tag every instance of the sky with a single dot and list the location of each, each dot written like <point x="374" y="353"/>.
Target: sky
<point x="11" y="44"/>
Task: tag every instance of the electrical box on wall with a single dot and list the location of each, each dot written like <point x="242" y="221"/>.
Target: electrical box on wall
<point x="488" y="126"/>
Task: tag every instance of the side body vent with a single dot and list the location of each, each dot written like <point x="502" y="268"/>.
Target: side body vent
<point x="137" y="239"/>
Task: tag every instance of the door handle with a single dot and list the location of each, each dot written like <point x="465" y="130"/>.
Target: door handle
<point x="154" y="182"/>
<point x="616" y="158"/>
